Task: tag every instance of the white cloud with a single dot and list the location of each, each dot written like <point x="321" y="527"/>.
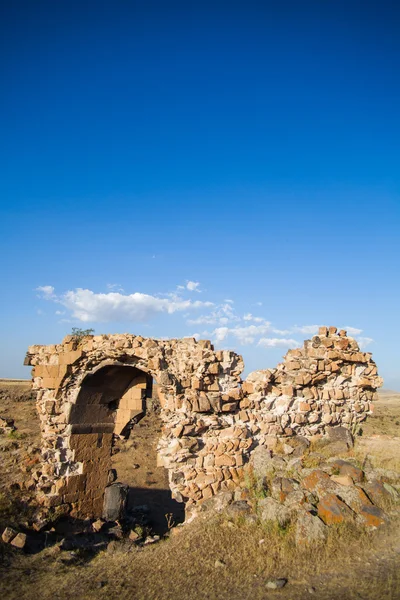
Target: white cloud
<point x="363" y="342"/>
<point x="193" y="286"/>
<point x="307" y="329"/>
<point x="220" y="333"/>
<point x="353" y="331"/>
<point x="245" y="335"/>
<point x="115" y="287"/>
<point x="226" y="325"/>
<point x="46" y="291"/>
<point x="88" y="306"/>
<point x="221" y="315"/>
<point x="250" y="317"/>
<point x="282" y="331"/>
<point x="273" y="342"/>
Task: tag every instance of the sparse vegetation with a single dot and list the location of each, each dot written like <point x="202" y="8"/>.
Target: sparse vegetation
<point x="80" y="333"/>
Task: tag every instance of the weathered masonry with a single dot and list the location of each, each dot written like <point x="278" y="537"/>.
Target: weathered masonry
<point x="90" y="388"/>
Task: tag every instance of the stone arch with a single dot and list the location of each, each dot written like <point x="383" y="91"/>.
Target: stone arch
<point x="212" y="421"/>
<point x="109" y="399"/>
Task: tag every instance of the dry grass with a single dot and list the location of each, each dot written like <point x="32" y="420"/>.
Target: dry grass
<point x="184" y="567"/>
<point x="352" y="564"/>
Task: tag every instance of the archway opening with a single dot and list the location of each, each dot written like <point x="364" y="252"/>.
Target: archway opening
<point x="115" y="428"/>
<point x="134" y="457"/>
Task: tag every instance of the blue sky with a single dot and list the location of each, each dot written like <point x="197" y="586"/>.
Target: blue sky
<point x="250" y="148"/>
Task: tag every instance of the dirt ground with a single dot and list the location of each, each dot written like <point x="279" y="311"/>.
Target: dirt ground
<point x="217" y="557"/>
<point x="135" y="461"/>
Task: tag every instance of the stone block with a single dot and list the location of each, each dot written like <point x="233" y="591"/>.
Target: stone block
<point x="224" y="460"/>
<point x="371" y="516"/>
<point x="19" y="541"/>
<point x="115" y="497"/>
<point x="309" y="529"/>
<point x="69" y="358"/>
<point x="340" y="434"/>
<point x="346" y="468"/>
<point x="333" y="511"/>
<point x="8" y="534"/>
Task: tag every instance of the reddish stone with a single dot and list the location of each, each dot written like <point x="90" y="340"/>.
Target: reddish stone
<point x="347" y="468"/>
<point x="319" y="482"/>
<point x="332" y="510"/>
<point x="372" y="516"/>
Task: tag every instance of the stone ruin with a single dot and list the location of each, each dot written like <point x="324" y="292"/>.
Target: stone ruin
<point x="92" y="388"/>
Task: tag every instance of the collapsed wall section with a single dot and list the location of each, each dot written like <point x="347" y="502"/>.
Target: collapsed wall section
<point x="212" y="420"/>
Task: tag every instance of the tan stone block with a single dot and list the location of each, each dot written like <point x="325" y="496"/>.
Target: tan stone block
<point x="293" y="365"/>
<point x="342" y="343"/>
<point x="236" y="393"/>
<point x="239" y="459"/>
<point x="51" y="383"/>
<point x="49" y="407"/>
<point x="69" y="358"/>
<point x="339" y="394"/>
<point x="323" y="331"/>
<point x="288" y="390"/>
<point x="300" y="419"/>
<point x="229" y="406"/>
<point x="224" y="460"/>
<point x="247" y="387"/>
<point x="204" y="403"/>
<point x="213" y="368"/>
<point x="332" y="330"/>
<point x="74" y="483"/>
<point x="197" y="384"/>
<point x="304" y="406"/>
<point x="327" y="342"/>
<point x="213" y="387"/>
<point x="72" y="497"/>
<point x="207" y="492"/>
<point x="97" y="477"/>
<point x="243" y="416"/>
<point x="50" y="371"/>
<point x="276" y="391"/>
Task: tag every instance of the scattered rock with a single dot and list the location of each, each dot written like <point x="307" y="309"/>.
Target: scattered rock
<point x="309" y="528"/>
<point x="8" y="535"/>
<point x="371" y="516"/>
<point x="237" y="509"/>
<point x="346" y="468"/>
<point x="261" y="461"/>
<point x="115" y="497"/>
<point x="276" y="584"/>
<point x="342" y="479"/>
<point x="340" y="434"/>
<point x="318" y="482"/>
<point x="133" y="535"/>
<point x="272" y="510"/>
<point x="19" y="541"/>
<point x="112" y="476"/>
<point x="98" y="525"/>
<point x="219" y="564"/>
<point x="332" y="510"/>
<point x="151" y="539"/>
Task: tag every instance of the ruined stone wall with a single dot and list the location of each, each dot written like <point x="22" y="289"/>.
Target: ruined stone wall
<point x="212" y="422"/>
